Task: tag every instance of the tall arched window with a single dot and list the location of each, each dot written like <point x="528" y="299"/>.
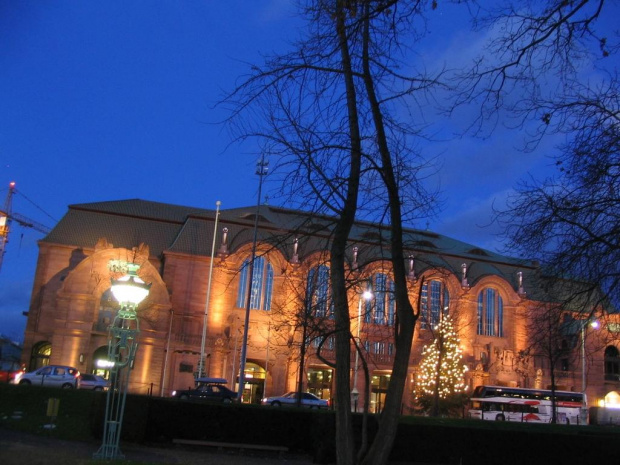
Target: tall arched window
<point x="435" y="303"/>
<point x="41" y="353"/>
<point x="262" y="284"/>
<point x="317" y="292"/>
<point x="383" y="302"/>
<point x="612" y="364"/>
<point x="490" y="313"/>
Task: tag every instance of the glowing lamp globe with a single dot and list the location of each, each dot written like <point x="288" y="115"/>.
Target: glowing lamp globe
<point x="130" y="289"/>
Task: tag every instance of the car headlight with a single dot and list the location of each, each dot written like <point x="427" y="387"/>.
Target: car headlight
<point x="174" y="393"/>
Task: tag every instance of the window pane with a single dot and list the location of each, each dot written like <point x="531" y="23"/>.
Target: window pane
<point x="257" y="282"/>
<point x="243" y="283"/>
<point x="500" y="316"/>
<point x="391" y="304"/>
<point x="490" y="312"/>
<point x="424" y="306"/>
<point x="435" y="302"/>
<point x="480" y="312"/>
<point x="268" y="287"/>
<point x="380" y="298"/>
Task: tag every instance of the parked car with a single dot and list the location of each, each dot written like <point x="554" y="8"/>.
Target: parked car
<point x="207" y="389"/>
<point x="53" y="375"/>
<point x="10" y="372"/>
<point x="290" y="398"/>
<point x="93" y="382"/>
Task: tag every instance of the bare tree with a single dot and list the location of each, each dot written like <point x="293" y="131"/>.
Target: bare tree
<point x="560" y="59"/>
<point x="327" y="112"/>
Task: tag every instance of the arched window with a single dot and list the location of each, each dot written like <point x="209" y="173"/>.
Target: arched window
<point x="435" y="303"/>
<point x="383" y="302"/>
<point x="317" y="292"/>
<point x="262" y="284"/>
<point x="490" y="313"/>
<point x="612" y="364"/>
<point x="41" y="353"/>
<point x="108" y="307"/>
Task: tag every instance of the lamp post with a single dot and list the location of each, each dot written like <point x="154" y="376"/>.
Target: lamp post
<point x="584" y="406"/>
<point x="129" y="290"/>
<point x="262" y="168"/>
<point x="366" y="296"/>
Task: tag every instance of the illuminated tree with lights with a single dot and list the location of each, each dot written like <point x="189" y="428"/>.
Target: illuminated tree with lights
<point x="441" y="384"/>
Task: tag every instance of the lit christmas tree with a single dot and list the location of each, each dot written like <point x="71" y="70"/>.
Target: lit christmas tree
<point x="441" y="382"/>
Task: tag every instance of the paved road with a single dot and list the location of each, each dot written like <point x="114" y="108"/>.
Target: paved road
<point x="18" y="448"/>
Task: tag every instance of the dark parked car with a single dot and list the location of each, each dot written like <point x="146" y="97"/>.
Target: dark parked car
<point x="207" y="389"/>
<point x="93" y="382"/>
<point x="53" y="375"/>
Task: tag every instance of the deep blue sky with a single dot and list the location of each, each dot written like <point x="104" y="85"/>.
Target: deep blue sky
<point x="114" y="100"/>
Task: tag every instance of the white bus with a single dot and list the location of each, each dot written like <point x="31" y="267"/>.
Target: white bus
<point x="501" y="403"/>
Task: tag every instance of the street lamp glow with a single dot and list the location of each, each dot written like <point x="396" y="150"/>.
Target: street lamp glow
<point x="123" y="333"/>
<point x="106" y="364"/>
<point x="366" y="296"/>
<point x="593" y="324"/>
<point x="130" y="288"/>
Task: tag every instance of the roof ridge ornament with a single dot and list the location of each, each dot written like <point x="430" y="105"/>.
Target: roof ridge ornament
<point x="354" y="265"/>
<point x="223" y="250"/>
<point x="464" y="282"/>
<point x="411" y="275"/>
<point x="521" y="289"/>
<point x="295" y="257"/>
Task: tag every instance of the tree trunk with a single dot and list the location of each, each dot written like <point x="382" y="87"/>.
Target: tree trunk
<point x="345" y="445"/>
<point x="381" y="447"/>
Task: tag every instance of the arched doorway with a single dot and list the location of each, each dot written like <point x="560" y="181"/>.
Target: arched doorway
<point x="612" y="400"/>
<point x="254" y="383"/>
<point x="612" y="364"/>
<point x="40" y="356"/>
<point x="98" y="368"/>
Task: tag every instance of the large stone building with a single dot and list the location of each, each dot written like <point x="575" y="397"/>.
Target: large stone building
<point x="489" y="296"/>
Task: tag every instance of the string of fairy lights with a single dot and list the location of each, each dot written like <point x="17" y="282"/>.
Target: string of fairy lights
<point x="442" y="368"/>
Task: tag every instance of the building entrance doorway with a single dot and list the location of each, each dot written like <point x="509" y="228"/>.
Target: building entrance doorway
<point x="378" y="389"/>
<point x="254" y="383"/>
<point x="320" y="382"/>
<point x="40" y="357"/>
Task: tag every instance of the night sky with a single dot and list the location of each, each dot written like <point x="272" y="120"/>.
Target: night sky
<point x="115" y="100"/>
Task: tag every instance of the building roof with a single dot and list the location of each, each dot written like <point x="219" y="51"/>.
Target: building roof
<point x="167" y="228"/>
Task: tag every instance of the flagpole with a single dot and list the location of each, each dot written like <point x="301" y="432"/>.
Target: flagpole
<point x="204" y="322"/>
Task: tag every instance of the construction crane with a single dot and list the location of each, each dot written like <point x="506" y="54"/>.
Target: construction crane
<point x="7" y="216"/>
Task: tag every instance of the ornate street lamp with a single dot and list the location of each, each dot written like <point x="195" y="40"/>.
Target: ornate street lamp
<point x="584" y="405"/>
<point x="129" y="290"/>
<point x="365" y="296"/>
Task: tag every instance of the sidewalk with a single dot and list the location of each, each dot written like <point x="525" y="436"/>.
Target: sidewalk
<point x="17" y="448"/>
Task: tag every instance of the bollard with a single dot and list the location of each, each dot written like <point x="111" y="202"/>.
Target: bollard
<point x="53" y="404"/>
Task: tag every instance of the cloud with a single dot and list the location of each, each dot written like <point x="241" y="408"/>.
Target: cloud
<point x="472" y="220"/>
<point x="277" y="10"/>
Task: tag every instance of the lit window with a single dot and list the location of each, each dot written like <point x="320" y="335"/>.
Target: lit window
<point x="317" y="292"/>
<point x="612" y="364"/>
<point x="383" y="302"/>
<point x="380" y="348"/>
<point x="262" y="284"/>
<point x="490" y="313"/>
<point x="435" y="303"/>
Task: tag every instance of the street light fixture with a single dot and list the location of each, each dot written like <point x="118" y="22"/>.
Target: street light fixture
<point x="365" y="296"/>
<point x="584" y="407"/>
<point x="262" y="168"/>
<point x="129" y="290"/>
